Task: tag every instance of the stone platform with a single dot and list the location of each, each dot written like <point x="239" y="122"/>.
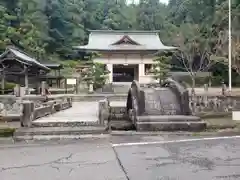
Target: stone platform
<point x="169" y="123"/>
<point x="81" y="113"/>
<point x="81" y="119"/>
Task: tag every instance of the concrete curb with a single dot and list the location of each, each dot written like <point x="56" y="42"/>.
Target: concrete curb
<point x="6" y="140"/>
<point x="59" y="137"/>
<point x="164" y="133"/>
<point x="35" y="138"/>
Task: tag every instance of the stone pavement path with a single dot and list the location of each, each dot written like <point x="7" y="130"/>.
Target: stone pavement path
<point x="80" y="112"/>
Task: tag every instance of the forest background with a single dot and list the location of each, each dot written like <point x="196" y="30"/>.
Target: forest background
<point x="48" y="29"/>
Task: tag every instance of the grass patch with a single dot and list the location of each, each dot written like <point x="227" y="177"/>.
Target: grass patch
<point x="6" y="132"/>
<point x="220" y="123"/>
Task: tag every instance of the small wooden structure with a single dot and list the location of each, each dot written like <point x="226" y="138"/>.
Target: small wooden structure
<point x="53" y="78"/>
<point x="20" y="68"/>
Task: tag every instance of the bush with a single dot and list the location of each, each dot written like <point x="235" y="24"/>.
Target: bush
<point x="96" y="74"/>
<point x="8" y="87"/>
<point x="6" y="132"/>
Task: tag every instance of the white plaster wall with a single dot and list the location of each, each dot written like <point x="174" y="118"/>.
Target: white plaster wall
<point x="146" y="79"/>
<point x="109" y="60"/>
<point x="110" y="68"/>
<point x="124" y="59"/>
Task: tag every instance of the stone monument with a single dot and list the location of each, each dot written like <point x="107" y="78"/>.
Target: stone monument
<point x="161" y="107"/>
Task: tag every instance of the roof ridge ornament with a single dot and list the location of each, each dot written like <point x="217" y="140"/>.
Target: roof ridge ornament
<point x="126" y="40"/>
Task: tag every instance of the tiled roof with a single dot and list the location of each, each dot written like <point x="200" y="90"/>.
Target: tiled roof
<point x="24" y="58"/>
<point x="104" y="40"/>
<point x="53" y="65"/>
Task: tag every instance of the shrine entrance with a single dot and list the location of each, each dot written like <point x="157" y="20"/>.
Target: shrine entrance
<point x="125" y="73"/>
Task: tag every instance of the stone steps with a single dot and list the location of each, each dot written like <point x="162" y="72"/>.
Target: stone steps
<point x="171" y="126"/>
<point x="168" y="118"/>
<point x="169" y="123"/>
<point x="121" y="125"/>
<point x="146" y="122"/>
<point x="118" y="110"/>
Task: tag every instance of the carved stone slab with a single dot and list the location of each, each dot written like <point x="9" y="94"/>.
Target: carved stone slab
<point x="161" y="101"/>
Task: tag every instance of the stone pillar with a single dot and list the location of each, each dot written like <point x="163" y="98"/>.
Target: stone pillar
<point x="110" y="68"/>
<point x="224" y="89"/>
<point x="205" y="97"/>
<point x="91" y="88"/>
<point x="103" y="112"/>
<point x="141" y="72"/>
<point x="17" y="90"/>
<point x="28" y="114"/>
<point x="43" y="88"/>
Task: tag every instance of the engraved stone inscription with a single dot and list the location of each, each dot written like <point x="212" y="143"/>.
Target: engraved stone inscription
<point x="161" y="102"/>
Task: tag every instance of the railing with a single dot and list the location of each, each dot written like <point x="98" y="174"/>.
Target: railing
<point x="26" y="111"/>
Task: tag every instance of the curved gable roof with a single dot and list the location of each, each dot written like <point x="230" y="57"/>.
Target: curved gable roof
<point x="23" y="57"/>
<point x="126" y="40"/>
<point x="104" y="40"/>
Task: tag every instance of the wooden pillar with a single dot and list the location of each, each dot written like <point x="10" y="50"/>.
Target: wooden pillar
<point x="110" y="69"/>
<point x="3" y="82"/>
<point x="26" y="79"/>
<point x="65" y="85"/>
<point x="77" y="85"/>
<point x="141" y="72"/>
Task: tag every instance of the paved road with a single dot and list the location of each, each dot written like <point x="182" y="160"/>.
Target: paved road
<point x="119" y="158"/>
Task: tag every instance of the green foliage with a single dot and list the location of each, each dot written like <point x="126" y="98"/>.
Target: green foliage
<point x="8" y="87"/>
<point x="6" y="132"/>
<point x="161" y="67"/>
<point x="48" y="29"/>
<point x="96" y="74"/>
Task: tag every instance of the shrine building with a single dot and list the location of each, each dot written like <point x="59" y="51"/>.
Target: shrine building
<point x="128" y="55"/>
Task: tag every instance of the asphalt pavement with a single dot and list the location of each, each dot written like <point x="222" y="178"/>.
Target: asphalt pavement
<point x="123" y="158"/>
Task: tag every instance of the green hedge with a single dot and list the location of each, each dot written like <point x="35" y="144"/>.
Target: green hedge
<point x="6" y="132"/>
<point x="8" y="87"/>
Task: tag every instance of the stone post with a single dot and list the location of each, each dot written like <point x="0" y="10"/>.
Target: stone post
<point x="17" y="90"/>
<point x="205" y="97"/>
<point x="91" y="87"/>
<point x="28" y="114"/>
<point x="69" y="100"/>
<point x="103" y="111"/>
<point x="43" y="88"/>
<point x="224" y="89"/>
